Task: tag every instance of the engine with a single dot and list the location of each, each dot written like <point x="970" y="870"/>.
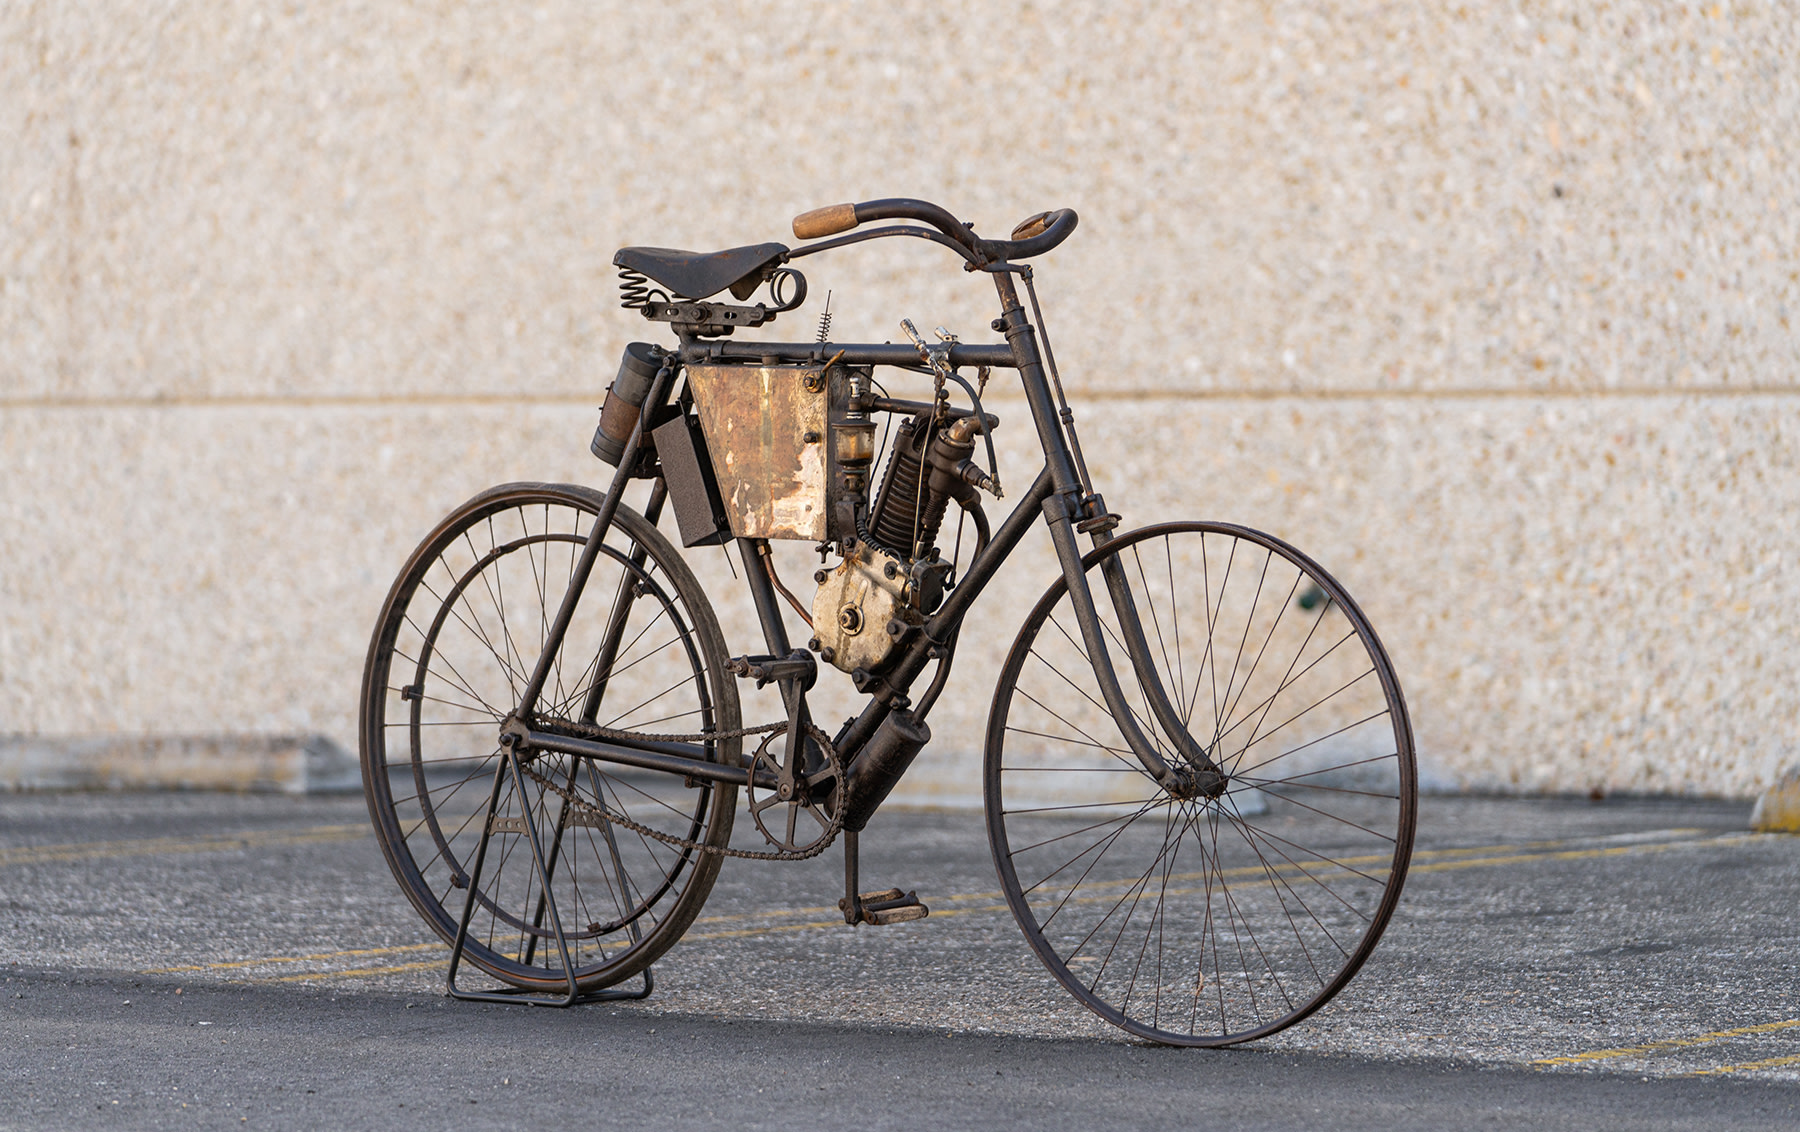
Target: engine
<point x="892" y="575"/>
<point x="787" y="451"/>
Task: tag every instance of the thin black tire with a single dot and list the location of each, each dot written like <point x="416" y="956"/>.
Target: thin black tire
<point x="456" y="641"/>
<point x="1204" y="921"/>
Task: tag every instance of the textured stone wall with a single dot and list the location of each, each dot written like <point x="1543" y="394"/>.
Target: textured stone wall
<point x="1490" y="307"/>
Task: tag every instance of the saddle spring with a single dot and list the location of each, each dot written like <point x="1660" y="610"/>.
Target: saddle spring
<point x="635" y="291"/>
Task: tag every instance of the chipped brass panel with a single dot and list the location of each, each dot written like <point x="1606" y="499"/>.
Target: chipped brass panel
<point x="766" y="432"/>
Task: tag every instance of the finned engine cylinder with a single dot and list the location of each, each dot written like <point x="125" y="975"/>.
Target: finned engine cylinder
<point x="929" y="468"/>
<point x="892" y="577"/>
<point x="895" y="515"/>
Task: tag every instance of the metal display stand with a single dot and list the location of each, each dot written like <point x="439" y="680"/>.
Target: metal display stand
<point x="509" y="762"/>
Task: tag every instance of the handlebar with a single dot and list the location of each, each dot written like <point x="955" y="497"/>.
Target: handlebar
<point x="1034" y="237"/>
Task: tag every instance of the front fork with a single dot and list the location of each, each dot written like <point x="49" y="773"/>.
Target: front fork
<point x="1195" y="774"/>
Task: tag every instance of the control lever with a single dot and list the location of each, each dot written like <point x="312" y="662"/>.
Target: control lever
<point x="934" y="354"/>
<point x="937" y="356"/>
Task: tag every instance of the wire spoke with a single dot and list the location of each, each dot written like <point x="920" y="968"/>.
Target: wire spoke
<point x="466" y="618"/>
<point x="1212" y="924"/>
<point x="1348" y="727"/>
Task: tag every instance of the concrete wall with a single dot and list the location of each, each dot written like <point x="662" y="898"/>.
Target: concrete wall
<point x="1488" y="306"/>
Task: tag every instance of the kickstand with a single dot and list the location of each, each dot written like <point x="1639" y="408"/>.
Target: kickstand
<point x="517" y="996"/>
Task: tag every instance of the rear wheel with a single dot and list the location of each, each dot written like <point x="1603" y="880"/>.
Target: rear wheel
<point x="1204" y="921"/>
<point x="456" y="643"/>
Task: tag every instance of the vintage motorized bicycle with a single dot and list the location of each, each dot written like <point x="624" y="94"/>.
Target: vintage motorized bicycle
<point x="1198" y="768"/>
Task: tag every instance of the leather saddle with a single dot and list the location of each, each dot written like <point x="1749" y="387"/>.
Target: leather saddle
<point x="696" y="275"/>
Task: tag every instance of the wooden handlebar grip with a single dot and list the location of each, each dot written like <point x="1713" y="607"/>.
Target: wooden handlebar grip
<point x="827" y="221"/>
<point x="1032" y="226"/>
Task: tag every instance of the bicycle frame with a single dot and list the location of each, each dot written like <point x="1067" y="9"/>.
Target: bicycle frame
<point x="1059" y="495"/>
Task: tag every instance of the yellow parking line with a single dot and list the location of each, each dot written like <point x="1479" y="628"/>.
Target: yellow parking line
<point x="320" y="957"/>
<point x="1424" y="861"/>
<point x="240" y="964"/>
<point x="359" y="971"/>
<point x="1671" y="1043"/>
<point x="152" y="846"/>
<point x="1645" y="838"/>
<point x="1580" y="854"/>
<point x="988" y="902"/>
<point x="830" y="909"/>
<point x="1766" y="1063"/>
<point x="356" y="972"/>
<point x="770" y="930"/>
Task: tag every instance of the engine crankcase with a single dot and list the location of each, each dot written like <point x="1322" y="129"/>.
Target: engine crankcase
<point x="854" y="605"/>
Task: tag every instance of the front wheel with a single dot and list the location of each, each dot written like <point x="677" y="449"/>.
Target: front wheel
<point x="1203" y="921"/>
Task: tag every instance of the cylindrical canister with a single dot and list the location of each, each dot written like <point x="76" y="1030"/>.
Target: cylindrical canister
<point x="624" y="398"/>
<point x="877" y="769"/>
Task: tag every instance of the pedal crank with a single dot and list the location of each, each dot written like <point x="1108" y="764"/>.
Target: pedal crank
<point x="889" y="906"/>
<point x="797" y="665"/>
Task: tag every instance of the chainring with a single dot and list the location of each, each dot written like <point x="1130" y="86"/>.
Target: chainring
<point x="792" y="800"/>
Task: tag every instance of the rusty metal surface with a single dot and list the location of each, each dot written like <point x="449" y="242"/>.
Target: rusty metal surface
<point x="853" y="606"/>
<point x="765" y="427"/>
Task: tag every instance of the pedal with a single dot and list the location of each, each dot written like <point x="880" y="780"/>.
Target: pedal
<point x="890" y="906"/>
<point x="772" y="669"/>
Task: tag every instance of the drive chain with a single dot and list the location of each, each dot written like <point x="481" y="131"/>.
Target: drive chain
<point x="599" y="806"/>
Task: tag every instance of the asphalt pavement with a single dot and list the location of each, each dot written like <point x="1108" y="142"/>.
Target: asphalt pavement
<point x="207" y="960"/>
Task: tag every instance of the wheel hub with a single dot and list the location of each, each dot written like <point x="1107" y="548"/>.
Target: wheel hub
<point x="1190" y="782"/>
